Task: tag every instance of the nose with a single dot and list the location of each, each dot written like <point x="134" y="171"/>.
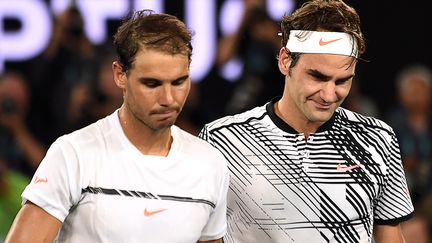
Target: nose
<point x="166" y="97"/>
<point x="328" y="92"/>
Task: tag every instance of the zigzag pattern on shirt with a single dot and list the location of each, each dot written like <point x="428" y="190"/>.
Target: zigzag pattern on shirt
<point x="282" y="183"/>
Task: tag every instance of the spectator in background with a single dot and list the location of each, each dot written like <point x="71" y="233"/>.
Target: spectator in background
<point x="191" y="119"/>
<point x="106" y="96"/>
<point x="412" y="121"/>
<point x="20" y="152"/>
<point x="12" y="184"/>
<point x="358" y="102"/>
<point x="89" y="102"/>
<point x="18" y="146"/>
<point x="70" y="60"/>
<point x="257" y="44"/>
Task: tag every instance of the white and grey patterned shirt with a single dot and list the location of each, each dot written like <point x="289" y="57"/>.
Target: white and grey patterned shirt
<point x="331" y="187"/>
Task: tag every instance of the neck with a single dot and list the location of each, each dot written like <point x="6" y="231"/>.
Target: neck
<point x="148" y="141"/>
<point x="298" y="123"/>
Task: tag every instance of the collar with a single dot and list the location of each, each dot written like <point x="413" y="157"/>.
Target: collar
<point x="286" y="127"/>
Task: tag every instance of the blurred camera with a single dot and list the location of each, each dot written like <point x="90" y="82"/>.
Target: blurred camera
<point x="7" y="106"/>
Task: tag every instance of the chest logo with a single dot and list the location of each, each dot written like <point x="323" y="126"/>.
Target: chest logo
<point x="148" y="213"/>
<point x="343" y="168"/>
<point x="40" y="180"/>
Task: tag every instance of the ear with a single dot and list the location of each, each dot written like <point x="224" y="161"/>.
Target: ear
<point x="120" y="77"/>
<point x="284" y="61"/>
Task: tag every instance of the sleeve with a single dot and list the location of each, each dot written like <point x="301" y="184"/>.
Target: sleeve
<point x="217" y="224"/>
<point x="394" y="205"/>
<point x="54" y="186"/>
<point x="205" y="135"/>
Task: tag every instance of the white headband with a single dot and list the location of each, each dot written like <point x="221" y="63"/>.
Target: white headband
<point x="305" y="41"/>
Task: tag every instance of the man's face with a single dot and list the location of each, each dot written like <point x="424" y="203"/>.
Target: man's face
<point x="156" y="88"/>
<point x="317" y="85"/>
<point x="415" y="94"/>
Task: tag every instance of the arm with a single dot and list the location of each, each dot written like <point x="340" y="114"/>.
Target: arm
<point x="394" y="205"/>
<point x="33" y="224"/>
<point x="33" y="150"/>
<point x="388" y="234"/>
<point x="204" y="135"/>
<point x="228" y="45"/>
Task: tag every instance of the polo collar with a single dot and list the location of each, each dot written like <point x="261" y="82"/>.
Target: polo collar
<point x="286" y="127"/>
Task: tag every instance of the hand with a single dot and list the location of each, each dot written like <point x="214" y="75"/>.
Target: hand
<point x="13" y="121"/>
<point x="79" y="98"/>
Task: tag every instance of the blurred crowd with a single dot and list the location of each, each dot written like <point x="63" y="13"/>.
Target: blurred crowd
<point x="71" y="85"/>
<point x="66" y="87"/>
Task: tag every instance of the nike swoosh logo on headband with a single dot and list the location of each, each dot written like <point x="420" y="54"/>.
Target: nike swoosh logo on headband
<point x="323" y="43"/>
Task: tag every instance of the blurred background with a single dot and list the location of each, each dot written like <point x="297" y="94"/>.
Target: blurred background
<point x="55" y="76"/>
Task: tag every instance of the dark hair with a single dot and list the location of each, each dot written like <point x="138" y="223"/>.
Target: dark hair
<point x="323" y="15"/>
<point x="147" y="30"/>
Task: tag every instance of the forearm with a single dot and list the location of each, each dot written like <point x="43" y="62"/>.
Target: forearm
<point x="228" y="45"/>
<point x="33" y="150"/>
<point x="33" y="224"/>
<point x="388" y="234"/>
<point x="227" y="48"/>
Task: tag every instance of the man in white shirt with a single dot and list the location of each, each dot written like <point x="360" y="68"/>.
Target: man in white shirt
<point x="132" y="176"/>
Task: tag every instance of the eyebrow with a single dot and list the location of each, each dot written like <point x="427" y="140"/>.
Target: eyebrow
<point x="144" y="79"/>
<point x="322" y="76"/>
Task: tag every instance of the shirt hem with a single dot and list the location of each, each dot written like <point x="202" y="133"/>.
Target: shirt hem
<point x="393" y="221"/>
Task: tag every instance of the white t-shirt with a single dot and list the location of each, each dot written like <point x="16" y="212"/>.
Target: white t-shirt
<point x="104" y="190"/>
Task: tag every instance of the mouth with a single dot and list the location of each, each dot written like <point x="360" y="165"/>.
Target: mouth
<point x="165" y="114"/>
<point x="322" y="106"/>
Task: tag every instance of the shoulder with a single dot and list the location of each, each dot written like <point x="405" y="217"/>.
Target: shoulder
<point x="256" y="113"/>
<point x="193" y="143"/>
<point x="200" y="152"/>
<point x="88" y="136"/>
<point x="347" y="117"/>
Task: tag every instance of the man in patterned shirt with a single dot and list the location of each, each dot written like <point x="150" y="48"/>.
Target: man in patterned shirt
<point x="303" y="169"/>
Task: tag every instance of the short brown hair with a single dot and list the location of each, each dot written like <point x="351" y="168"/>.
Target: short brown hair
<point x="324" y="15"/>
<point x="146" y="29"/>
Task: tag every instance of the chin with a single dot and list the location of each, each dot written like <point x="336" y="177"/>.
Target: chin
<point x="320" y="116"/>
<point x="164" y="124"/>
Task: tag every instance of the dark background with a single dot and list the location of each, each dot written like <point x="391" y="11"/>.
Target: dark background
<point x="396" y="34"/>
